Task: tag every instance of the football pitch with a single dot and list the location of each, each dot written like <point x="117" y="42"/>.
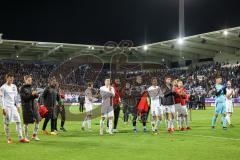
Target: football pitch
<point x="200" y="143"/>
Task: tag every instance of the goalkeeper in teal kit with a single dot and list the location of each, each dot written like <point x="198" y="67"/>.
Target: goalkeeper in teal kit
<point x="220" y="101"/>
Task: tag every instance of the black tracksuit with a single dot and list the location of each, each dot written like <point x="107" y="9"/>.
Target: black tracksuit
<point x="168" y="98"/>
<point x="137" y="92"/>
<point x="29" y="105"/>
<point x="50" y="97"/>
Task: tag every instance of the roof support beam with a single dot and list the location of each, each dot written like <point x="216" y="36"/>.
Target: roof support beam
<point x="173" y="52"/>
<point x="49" y="52"/>
<point x="78" y="52"/>
<point x="210" y="47"/>
<point x="159" y="56"/>
<point x="223" y="42"/>
<point x="24" y="49"/>
<point x="190" y="50"/>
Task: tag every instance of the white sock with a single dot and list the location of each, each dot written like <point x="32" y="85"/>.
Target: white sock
<point x="84" y="122"/>
<point x="186" y="119"/>
<point x="7" y="130"/>
<point x="180" y="122"/>
<point x="158" y="122"/>
<point x="169" y="123"/>
<point x="101" y="126"/>
<point x="177" y="121"/>
<point x="19" y="130"/>
<point x="172" y="123"/>
<point x="26" y="130"/>
<point x="89" y="122"/>
<point x="36" y="127"/>
<point x="228" y="118"/>
<point x="110" y="126"/>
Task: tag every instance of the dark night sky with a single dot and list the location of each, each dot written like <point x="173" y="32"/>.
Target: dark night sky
<point x="98" y="21"/>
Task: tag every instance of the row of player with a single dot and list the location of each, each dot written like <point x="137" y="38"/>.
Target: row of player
<point x="167" y="101"/>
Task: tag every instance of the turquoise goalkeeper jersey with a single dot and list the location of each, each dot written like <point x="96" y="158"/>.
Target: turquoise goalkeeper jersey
<point x="220" y="98"/>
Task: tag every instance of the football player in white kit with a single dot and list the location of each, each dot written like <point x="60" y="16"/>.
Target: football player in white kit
<point x="229" y="104"/>
<point x="156" y="109"/>
<point x="107" y="92"/>
<point x="11" y="108"/>
<point x="89" y="99"/>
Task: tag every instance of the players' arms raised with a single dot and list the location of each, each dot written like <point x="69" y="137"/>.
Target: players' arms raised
<point x="107" y="93"/>
<point x="27" y="94"/>
<point x="167" y="92"/>
<point x="232" y="93"/>
<point x="155" y="92"/>
<point x="223" y="90"/>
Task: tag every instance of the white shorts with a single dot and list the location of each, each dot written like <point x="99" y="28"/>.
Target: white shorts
<point x="107" y="111"/>
<point x="229" y="106"/>
<point x="169" y="109"/>
<point x="12" y="115"/>
<point x="157" y="111"/>
<point x="88" y="107"/>
<point x="183" y="110"/>
<point x="178" y="108"/>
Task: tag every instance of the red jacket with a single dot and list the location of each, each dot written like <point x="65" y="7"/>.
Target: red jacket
<point x="143" y="104"/>
<point x="116" y="98"/>
<point x="181" y="96"/>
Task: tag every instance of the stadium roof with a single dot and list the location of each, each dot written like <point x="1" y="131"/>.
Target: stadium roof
<point x="200" y="46"/>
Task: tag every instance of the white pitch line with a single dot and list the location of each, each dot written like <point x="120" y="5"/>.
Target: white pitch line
<point x="234" y="139"/>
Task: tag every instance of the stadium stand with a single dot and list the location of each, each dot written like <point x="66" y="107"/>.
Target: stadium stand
<point x="199" y="79"/>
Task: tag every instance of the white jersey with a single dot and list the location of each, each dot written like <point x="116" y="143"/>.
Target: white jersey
<point x="88" y="96"/>
<point x="229" y="103"/>
<point x="9" y="96"/>
<point x="154" y="93"/>
<point x="89" y="99"/>
<point x="107" y="103"/>
<point x="229" y="91"/>
<point x="10" y="102"/>
<point x="107" y="95"/>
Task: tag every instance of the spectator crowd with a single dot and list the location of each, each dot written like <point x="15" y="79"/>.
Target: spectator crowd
<point x="199" y="80"/>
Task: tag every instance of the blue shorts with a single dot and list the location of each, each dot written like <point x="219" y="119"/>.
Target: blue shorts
<point x="220" y="108"/>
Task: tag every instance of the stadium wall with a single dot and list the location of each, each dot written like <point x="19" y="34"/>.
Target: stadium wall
<point x="226" y="57"/>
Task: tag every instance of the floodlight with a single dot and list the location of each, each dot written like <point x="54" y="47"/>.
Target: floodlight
<point x="225" y="33"/>
<point x="180" y="41"/>
<point x="145" y="47"/>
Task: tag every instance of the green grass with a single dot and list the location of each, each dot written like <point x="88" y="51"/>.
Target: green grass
<point x="200" y="143"/>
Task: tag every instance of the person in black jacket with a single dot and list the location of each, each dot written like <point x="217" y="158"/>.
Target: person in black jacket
<point x="60" y="110"/>
<point x="168" y="103"/>
<point x="137" y="91"/>
<point x="50" y="97"/>
<point x="29" y="107"/>
<point x="127" y="101"/>
<point x="202" y="99"/>
<point x="192" y="100"/>
<point x="81" y="100"/>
